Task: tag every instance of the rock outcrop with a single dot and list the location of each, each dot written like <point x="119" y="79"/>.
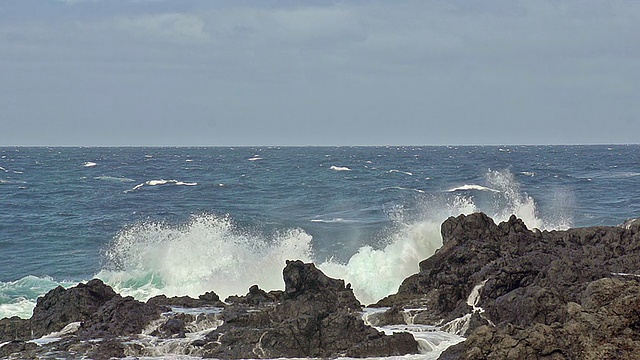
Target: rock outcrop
<point x="514" y="293"/>
<point x="543" y="295"/>
<point x="317" y="316"/>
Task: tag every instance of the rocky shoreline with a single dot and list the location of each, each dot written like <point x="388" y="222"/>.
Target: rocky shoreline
<point x="512" y="292"/>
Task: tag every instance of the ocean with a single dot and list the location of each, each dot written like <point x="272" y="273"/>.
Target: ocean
<point x="186" y="220"/>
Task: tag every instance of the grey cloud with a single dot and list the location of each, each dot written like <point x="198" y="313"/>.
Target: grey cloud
<point x="325" y="73"/>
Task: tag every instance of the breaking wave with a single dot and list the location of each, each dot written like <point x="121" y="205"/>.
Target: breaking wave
<point x="161" y="182"/>
<point x="213" y="252"/>
<point x="339" y="168"/>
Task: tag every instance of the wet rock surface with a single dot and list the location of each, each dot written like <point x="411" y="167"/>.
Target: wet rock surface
<point x="314" y="316"/>
<point x="317" y="316"/>
<point x="514" y="293"/>
<point x="541" y="295"/>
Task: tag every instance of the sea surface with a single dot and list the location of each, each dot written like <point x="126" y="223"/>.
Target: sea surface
<point x="183" y="221"/>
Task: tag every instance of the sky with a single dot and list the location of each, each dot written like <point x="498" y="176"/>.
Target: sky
<point x="231" y="73"/>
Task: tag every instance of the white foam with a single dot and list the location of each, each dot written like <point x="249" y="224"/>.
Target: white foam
<point x="18" y="298"/>
<point x="21" y="307"/>
<point x="474" y="297"/>
<point x="403" y="189"/>
<point x="431" y="340"/>
<point x="400" y="172"/>
<point x="162" y="182"/>
<point x="208" y="253"/>
<point x="334" y="220"/>
<point x="113" y="178"/>
<point x="212" y="253"/>
<point x="255" y="158"/>
<point x="57" y="335"/>
<point x="461" y="325"/>
<point x="89" y="164"/>
<point x="467" y="187"/>
<point x="339" y="168"/>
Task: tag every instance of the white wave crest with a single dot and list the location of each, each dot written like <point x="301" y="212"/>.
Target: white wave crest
<point x="18" y="298"/>
<point x="467" y="187"/>
<point x="211" y="253"/>
<point x="400" y="172"/>
<point x="208" y="253"/>
<point x="113" y="178"/>
<point x="162" y="182"/>
<point x="334" y="220"/>
<point x="89" y="164"/>
<point x="376" y="273"/>
<point x="339" y="168"/>
<point x="402" y="189"/>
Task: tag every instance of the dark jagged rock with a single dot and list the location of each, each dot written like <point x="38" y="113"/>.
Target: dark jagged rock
<point x="520" y="294"/>
<point x="256" y="296"/>
<point x="118" y="317"/>
<point x="544" y="295"/>
<point x="14" y="328"/>
<point x="103" y="314"/>
<point x="317" y="317"/>
<point x="60" y="306"/>
<point x="17" y="347"/>
<point x="207" y="299"/>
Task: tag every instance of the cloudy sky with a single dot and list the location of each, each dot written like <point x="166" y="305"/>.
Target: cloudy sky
<point x="202" y="72"/>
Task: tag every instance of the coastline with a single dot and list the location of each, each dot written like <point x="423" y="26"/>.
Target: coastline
<point x="511" y="292"/>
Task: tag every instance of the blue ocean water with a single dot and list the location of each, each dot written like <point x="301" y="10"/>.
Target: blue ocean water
<point x="188" y="220"/>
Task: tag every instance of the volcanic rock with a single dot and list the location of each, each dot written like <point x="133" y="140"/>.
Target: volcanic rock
<point x="207" y="299"/>
<point x="317" y="317"/>
<point x="118" y="317"/>
<point x="544" y="295"/>
<point x="61" y="306"/>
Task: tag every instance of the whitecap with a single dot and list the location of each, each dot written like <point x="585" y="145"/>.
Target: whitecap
<point x="162" y="182"/>
<point x="528" y="173"/>
<point x="333" y="221"/>
<point x="254" y="158"/>
<point x="400" y="172"/>
<point x="473" y="187"/>
<point x="209" y="252"/>
<point x="339" y="168"/>
<point x="113" y="178"/>
<point x="403" y="189"/>
<point x="89" y="164"/>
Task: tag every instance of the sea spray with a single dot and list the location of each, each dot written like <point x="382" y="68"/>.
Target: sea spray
<point x="18" y="298"/>
<point x="211" y="252"/>
<point x="208" y="253"/>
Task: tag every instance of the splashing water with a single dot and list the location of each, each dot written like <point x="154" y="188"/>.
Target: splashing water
<point x="208" y="253"/>
<point x="212" y="253"/>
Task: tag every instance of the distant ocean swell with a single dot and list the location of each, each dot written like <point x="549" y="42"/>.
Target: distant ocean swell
<point x="212" y="252"/>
